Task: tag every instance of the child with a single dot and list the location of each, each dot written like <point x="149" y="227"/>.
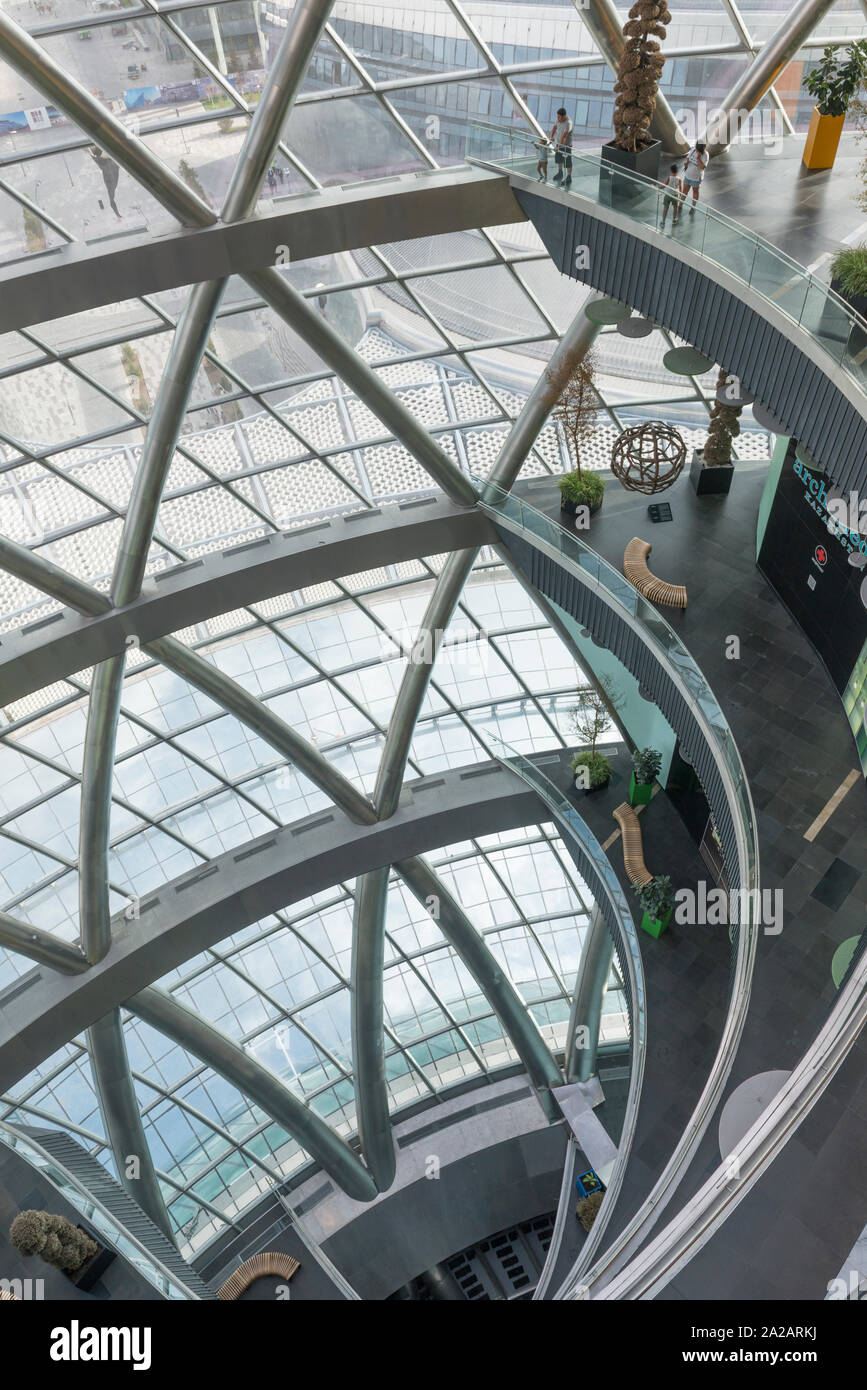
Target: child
<point x="673" y="194"/>
<point x="542" y="164"/>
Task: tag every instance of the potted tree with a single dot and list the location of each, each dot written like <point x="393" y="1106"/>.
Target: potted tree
<point x="712" y="468"/>
<point x="849" y="277"/>
<point x="834" y="82"/>
<point x="637" y="84"/>
<point x="646" y="763"/>
<point x="657" y="901"/>
<point x="66" y="1247"/>
<point x="572" y="386"/>
<point x="590" y="719"/>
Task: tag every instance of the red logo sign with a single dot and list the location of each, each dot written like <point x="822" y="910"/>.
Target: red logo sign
<point x="821" y="555"/>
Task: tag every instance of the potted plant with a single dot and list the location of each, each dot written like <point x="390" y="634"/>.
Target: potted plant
<point x="711" y="469"/>
<point x="579" y="489"/>
<point x="657" y="901"/>
<point x="66" y="1247"/>
<point x="589" y="719"/>
<point x="849" y="277"/>
<point x="646" y="763"/>
<point x="638" y="72"/>
<point x="836" y="79"/>
<point x="587" y="1209"/>
<point x="598" y="771"/>
<point x="577" y="405"/>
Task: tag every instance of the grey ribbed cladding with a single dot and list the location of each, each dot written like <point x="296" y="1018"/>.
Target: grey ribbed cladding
<point x="719" y="322"/>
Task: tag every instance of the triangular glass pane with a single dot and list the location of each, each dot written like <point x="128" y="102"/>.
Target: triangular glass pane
<point x="429" y="41"/>
<point x="517" y="35"/>
<point x="23" y="234"/>
<point x="203" y="155"/>
<point x="442" y="116"/>
<point x="52" y="405"/>
<point x="348" y="140"/>
<point x="480" y="305"/>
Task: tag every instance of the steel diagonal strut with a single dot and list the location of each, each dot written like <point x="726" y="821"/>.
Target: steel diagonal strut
<point x="261" y="1086"/>
<point x="422" y="881"/>
<point x="114" y="1082"/>
<point x="368" y="1032"/>
<point x="35" y="63"/>
<point x="370" y="905"/>
<point x="764" y="70"/>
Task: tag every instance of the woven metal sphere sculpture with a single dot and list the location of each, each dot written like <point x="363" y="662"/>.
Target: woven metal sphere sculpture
<point x="648" y="458"/>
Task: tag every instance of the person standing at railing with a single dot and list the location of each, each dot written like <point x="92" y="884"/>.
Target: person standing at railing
<point x="673" y="196"/>
<point x="693" y="172"/>
<point x="542" y="162"/>
<point x="561" y="139"/>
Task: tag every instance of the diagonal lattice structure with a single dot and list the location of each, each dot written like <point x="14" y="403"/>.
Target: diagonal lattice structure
<point x="344" y="407"/>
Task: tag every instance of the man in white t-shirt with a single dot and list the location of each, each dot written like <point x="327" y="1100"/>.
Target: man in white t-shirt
<point x="693" y="172"/>
<point x="561" y="139"/>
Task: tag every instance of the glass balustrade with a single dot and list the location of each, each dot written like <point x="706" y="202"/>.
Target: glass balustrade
<point x="663" y="641"/>
<point x="101" y="1222"/>
<point x="779" y="279"/>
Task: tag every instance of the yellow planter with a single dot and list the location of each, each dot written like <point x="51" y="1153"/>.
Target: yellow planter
<point x="823" y="138"/>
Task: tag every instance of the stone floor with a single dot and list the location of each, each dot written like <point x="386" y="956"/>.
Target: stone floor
<point x="797" y="749"/>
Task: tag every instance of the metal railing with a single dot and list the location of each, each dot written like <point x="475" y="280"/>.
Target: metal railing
<point x="100" y="1219"/>
<point x="591" y="571"/>
<point x="764" y="268"/>
<point x="595" y="867"/>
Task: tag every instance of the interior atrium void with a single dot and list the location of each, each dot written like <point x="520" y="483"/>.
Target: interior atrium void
<point x="433" y="652"/>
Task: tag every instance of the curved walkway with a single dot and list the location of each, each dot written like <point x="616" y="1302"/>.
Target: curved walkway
<point x="797" y="750"/>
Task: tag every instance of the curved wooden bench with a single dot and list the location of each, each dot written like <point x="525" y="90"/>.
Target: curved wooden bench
<point x="633" y="848"/>
<point x="269" y="1262"/>
<point x="636" y="571"/>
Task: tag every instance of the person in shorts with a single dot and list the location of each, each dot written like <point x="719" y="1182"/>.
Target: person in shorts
<point x="542" y="161"/>
<point x="561" y="139"/>
<point x="693" y="172"/>
<point x="673" y="196"/>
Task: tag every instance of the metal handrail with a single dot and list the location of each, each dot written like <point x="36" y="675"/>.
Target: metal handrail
<point x="577" y="833"/>
<point x="590" y="570"/>
<point x="689" y="1231"/>
<point x="818" y="298"/>
<point x="108" y="1226"/>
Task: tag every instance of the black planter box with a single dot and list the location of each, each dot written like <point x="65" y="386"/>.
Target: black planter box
<point x="91" y="1272"/>
<point x="572" y="507"/>
<point x="644" y="161"/>
<point x="708" y="481"/>
<point x="858" y="302"/>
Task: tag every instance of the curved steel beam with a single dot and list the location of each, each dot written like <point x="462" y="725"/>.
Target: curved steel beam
<point x="36" y="64"/>
<point x="575" y="343"/>
<point x="192" y="1032"/>
<point x="41" y="946"/>
<point x="164" y="427"/>
<point x="342" y="359"/>
<point x="282" y="84"/>
<point x="121" y="1115"/>
<point x="587" y="1001"/>
<point x="263" y="721"/>
<point x="40" y="654"/>
<point x="368" y="1035"/>
<point x="191" y="913"/>
<point x="489" y="975"/>
<point x="773" y="57"/>
<point x="416" y="679"/>
<point x="97" y="775"/>
<point x="50" y="579"/>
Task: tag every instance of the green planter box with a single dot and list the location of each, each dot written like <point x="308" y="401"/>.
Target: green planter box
<point x="653" y="925"/>
<point x="639" y="792"/>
